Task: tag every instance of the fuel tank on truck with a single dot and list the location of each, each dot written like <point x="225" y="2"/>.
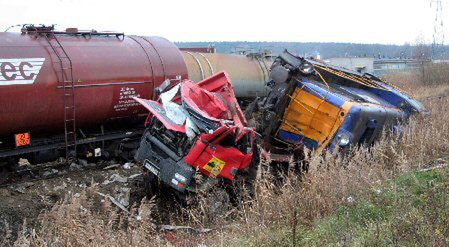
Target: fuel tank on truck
<point x="248" y="73"/>
<point x="108" y="70"/>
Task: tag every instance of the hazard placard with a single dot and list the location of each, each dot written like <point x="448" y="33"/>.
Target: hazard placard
<point x="214" y="166"/>
<point x="23" y="139"/>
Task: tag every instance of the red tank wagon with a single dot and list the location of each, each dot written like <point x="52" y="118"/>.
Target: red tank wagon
<point x="48" y="79"/>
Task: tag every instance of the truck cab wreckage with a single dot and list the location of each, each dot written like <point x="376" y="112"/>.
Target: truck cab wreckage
<point x="199" y="130"/>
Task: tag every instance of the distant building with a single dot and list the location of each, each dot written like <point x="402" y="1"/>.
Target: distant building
<point x="380" y="67"/>
<point x="386" y="66"/>
<point x="360" y="64"/>
<point x="440" y="61"/>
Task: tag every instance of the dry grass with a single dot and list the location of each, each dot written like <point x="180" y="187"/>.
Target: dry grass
<point x="86" y="220"/>
<point x="413" y="82"/>
<point x="435" y="73"/>
<point x="268" y="219"/>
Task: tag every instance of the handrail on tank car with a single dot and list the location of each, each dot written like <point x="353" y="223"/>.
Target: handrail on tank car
<point x="31" y="29"/>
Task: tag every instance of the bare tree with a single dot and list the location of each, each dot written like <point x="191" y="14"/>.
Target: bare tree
<point x="422" y="53"/>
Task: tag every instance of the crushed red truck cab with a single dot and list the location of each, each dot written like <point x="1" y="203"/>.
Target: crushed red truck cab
<point x="196" y="130"/>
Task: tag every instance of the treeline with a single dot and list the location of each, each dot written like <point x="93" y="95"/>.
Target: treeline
<point x="325" y="50"/>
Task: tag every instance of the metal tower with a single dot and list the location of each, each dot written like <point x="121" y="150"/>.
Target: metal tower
<point x="438" y="32"/>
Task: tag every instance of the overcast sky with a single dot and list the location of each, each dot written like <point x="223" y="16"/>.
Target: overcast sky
<point x="357" y="21"/>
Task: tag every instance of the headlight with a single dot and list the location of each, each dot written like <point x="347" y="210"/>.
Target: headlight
<point x="180" y="178"/>
<point x="306" y="68"/>
<point x="343" y="139"/>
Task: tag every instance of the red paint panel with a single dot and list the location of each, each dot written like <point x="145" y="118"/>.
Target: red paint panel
<point x="204" y="152"/>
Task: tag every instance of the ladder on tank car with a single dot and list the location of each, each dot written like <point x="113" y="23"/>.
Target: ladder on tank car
<point x="65" y="78"/>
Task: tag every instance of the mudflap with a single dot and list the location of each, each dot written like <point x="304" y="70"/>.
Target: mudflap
<point x="145" y="150"/>
<point x="150" y="182"/>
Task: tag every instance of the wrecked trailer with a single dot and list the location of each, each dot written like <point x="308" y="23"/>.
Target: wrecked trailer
<point x="315" y="105"/>
<point x="196" y="135"/>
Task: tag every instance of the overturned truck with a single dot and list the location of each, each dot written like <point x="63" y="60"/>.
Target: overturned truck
<point x="197" y="135"/>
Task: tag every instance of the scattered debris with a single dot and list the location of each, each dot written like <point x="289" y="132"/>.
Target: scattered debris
<point x="60" y="187"/>
<point x="350" y="200"/>
<point x="75" y="167"/>
<point x="123" y="195"/>
<point x="20" y="189"/>
<point x="23" y="162"/>
<point x="175" y="228"/>
<point x="112" y="199"/>
<point x="118" y="178"/>
<point x="34" y="193"/>
<point x="83" y="163"/>
<point x="63" y="172"/>
<point x="50" y="173"/>
<point x="82" y="185"/>
<point x="440" y="166"/>
<point x="97" y="152"/>
<point x="111" y="166"/>
<point x="135" y="175"/>
<point x="127" y="166"/>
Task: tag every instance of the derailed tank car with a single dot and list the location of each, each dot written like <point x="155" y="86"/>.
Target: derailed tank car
<point x="319" y="106"/>
<point x="64" y="89"/>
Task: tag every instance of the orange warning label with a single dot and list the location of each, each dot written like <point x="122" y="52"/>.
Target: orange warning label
<point x="23" y="139"/>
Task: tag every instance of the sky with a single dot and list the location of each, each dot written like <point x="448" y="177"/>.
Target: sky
<point x="355" y="21"/>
